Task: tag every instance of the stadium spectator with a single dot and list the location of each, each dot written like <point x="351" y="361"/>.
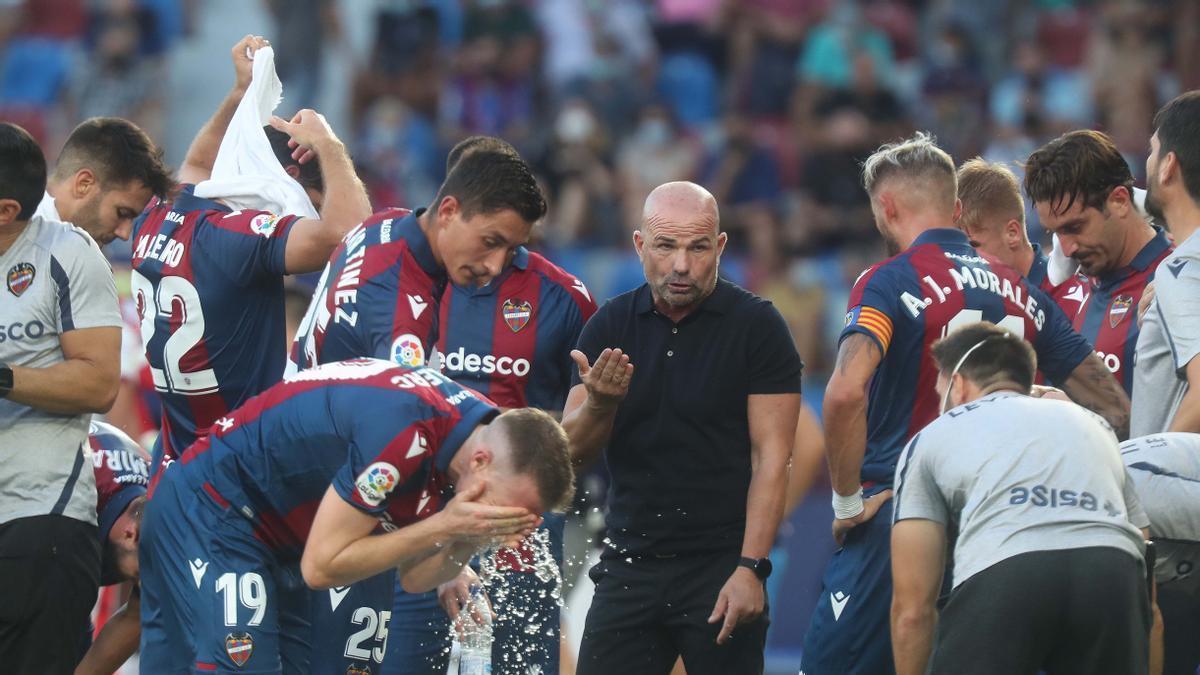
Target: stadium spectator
<point x="214" y="274"/>
<point x="229" y="511"/>
<point x="511" y="341"/>
<point x="993" y="218"/>
<point x="698" y="484"/>
<point x="107" y="172"/>
<point x="1165" y="470"/>
<point x="122" y="472"/>
<point x="304" y="30"/>
<point x="879" y="395"/>
<point x="115" y="78"/>
<point x="1048" y="570"/>
<point x="1083" y="191"/>
<point x="59" y="363"/>
<point x="1167" y="382"/>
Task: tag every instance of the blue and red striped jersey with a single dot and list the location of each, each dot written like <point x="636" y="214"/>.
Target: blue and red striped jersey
<point x="382" y="435"/>
<point x="1069" y="295"/>
<point x="512" y="339"/>
<point x="377" y="297"/>
<point x="122" y="470"/>
<point x="1108" y="319"/>
<point x="910" y="301"/>
<point x="208" y="283"/>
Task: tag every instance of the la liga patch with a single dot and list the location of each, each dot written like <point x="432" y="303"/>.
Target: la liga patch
<point x="407" y="351"/>
<point x="20" y="277"/>
<point x="376" y="482"/>
<point x="264" y="224"/>
<point x="239" y="647"/>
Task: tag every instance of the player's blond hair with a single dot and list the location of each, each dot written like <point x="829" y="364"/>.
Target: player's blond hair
<point x="988" y="188"/>
<point x="917" y="159"/>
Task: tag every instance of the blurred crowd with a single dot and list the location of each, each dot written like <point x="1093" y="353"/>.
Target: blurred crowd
<point x="771" y="104"/>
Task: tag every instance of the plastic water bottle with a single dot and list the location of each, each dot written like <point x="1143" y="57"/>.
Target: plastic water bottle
<point x="475" y="652"/>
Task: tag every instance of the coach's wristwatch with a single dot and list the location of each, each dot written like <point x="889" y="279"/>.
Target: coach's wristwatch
<point x="6" y="380"/>
<point x="760" y="566"/>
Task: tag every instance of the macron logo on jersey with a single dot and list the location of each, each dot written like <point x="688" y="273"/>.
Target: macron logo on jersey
<point x="199" y="567"/>
<point x="417" y="304"/>
<point x="578" y="285"/>
<point x="336" y="595"/>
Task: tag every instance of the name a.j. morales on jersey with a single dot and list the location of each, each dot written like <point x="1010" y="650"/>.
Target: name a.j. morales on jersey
<point x="346" y="289"/>
<point x="980" y="278"/>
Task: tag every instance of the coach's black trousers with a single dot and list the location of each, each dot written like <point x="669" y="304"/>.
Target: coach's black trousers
<point x="648" y="610"/>
<point x="1084" y="611"/>
<point x="49" y="574"/>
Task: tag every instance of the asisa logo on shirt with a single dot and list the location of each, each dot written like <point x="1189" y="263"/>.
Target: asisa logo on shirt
<point x="377" y="482"/>
<point x="407" y="351"/>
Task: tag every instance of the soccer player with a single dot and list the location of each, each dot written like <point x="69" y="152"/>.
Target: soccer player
<point x="1083" y="191"/>
<point x="993" y="216"/>
<point x="1167" y="382"/>
<point x="208" y="281"/>
<point x="510" y="339"/>
<point x="1165" y="469"/>
<point x="1049" y="570"/>
<point x="289" y="489"/>
<point x="882" y="389"/>
<point x="107" y="172"/>
<point x="378" y="296"/>
<point x="122" y="473"/>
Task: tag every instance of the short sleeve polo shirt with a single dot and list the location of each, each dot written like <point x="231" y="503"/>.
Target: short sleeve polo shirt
<point x="679" y="453"/>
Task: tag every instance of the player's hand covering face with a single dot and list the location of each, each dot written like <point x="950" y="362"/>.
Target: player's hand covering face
<point x="470" y="520"/>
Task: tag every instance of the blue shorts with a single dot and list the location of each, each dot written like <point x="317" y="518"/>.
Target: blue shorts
<point x="213" y="597"/>
<point x="351" y="625"/>
<point x="527" y="624"/>
<point x="850" y="632"/>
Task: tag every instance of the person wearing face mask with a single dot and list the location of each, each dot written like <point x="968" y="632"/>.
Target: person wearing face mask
<point x="881" y="392"/>
<point x="1049" y="563"/>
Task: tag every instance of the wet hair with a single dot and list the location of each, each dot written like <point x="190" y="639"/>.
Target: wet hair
<point x="488" y="181"/>
<point x="539" y="448"/>
<point x="118" y="152"/>
<point x="1178" y="127"/>
<point x="993" y="355"/>
<point x="1081" y="166"/>
<point x="310" y="171"/>
<point x="22" y="169"/>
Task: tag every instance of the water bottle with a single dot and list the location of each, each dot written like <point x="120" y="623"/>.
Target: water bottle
<point x="475" y="648"/>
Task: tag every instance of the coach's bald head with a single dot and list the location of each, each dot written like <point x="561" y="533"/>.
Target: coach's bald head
<point x="680" y="243"/>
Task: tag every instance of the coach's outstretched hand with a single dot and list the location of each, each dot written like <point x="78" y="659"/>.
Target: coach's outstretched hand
<point x="607" y="380"/>
<point x="741" y="600"/>
<point x="469" y="521"/>
<point x="870" y="508"/>
<point x="310" y="134"/>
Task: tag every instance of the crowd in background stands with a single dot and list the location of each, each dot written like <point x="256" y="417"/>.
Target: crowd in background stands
<point x="771" y="104"/>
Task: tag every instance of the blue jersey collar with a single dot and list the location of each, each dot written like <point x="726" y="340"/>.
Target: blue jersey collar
<point x="186" y="200"/>
<point x="942" y="235"/>
<point x="1038" y="270"/>
<point x="474" y="413"/>
<point x="1141" y="262"/>
<point x="418" y="244"/>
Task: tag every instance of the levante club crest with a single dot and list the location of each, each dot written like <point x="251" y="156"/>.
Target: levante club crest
<point x="1118" y="309"/>
<point x="239" y="647"/>
<point x="20" y="277"/>
<point x="517" y="313"/>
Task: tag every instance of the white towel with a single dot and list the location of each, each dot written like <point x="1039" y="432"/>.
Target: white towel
<point x="246" y="174"/>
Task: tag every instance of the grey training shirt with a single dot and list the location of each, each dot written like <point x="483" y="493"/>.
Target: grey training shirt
<point x="56" y="280"/>
<point x="1170" y="337"/>
<point x="1165" y="469"/>
<point x="1019" y="474"/>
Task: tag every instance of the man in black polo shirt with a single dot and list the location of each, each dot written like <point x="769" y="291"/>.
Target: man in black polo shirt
<point x="697" y="440"/>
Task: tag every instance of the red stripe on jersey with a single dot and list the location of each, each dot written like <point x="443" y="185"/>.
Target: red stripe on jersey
<point x="518" y="295"/>
<point x="416" y="306"/>
<point x="929" y="260"/>
<point x="557" y="275"/>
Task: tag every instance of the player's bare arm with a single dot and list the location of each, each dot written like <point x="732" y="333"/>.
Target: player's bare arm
<point x="591" y="407"/>
<point x="845" y="410"/>
<point x="1187" y="417"/>
<point x="1092" y="386"/>
<point x="772" y="420"/>
<point x="86" y="381"/>
<point x="341" y="548"/>
<point x="918" y="557"/>
<point x="202" y="154"/>
<point x="117" y="641"/>
<point x="345" y="202"/>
